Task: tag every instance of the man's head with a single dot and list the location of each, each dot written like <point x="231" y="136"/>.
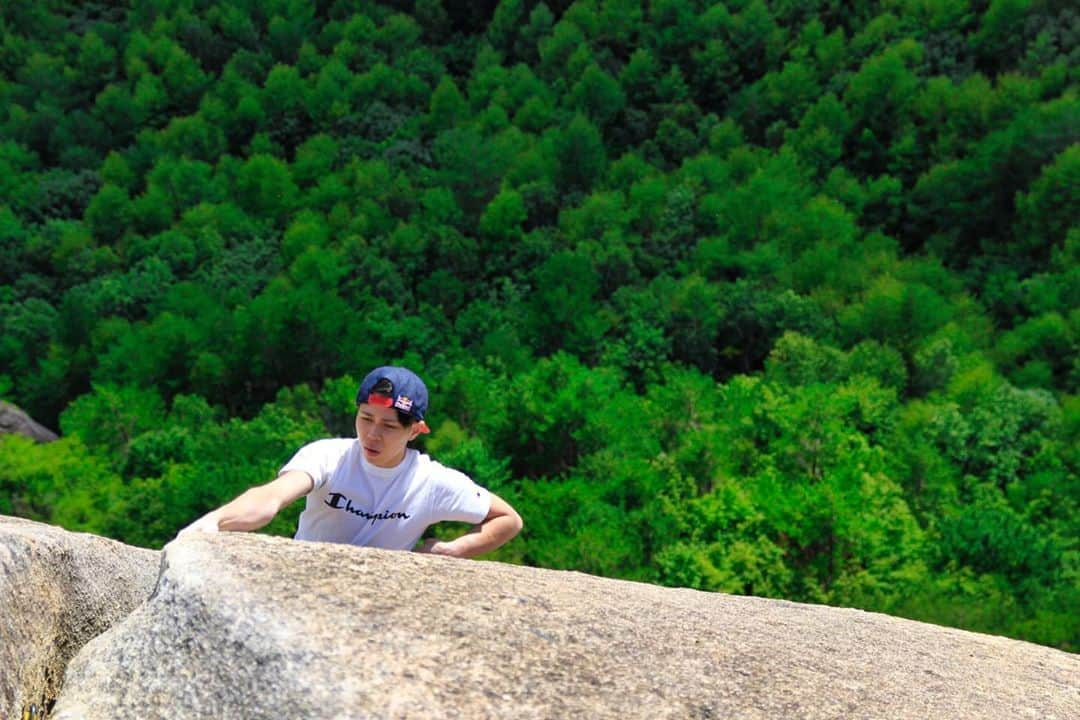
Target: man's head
<point x="390" y="412"/>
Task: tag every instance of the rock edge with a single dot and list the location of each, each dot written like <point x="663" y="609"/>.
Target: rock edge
<point x="58" y="590"/>
<point x="262" y="627"/>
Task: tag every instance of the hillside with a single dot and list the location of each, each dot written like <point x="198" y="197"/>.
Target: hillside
<point x="769" y="298"/>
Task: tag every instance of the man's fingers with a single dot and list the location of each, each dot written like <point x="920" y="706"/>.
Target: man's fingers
<point x="425" y="547"/>
<point x="206" y="524"/>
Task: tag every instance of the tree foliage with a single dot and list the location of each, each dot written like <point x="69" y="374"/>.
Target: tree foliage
<point x="771" y="298"/>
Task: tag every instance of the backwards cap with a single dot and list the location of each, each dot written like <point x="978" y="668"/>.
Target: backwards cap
<point x="406" y="392"/>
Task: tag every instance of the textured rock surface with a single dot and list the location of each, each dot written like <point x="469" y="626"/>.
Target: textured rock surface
<point x="14" y="420"/>
<point x="58" y="590"/>
<point x="259" y="627"/>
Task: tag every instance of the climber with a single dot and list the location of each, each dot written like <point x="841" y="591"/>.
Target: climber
<point x="374" y="490"/>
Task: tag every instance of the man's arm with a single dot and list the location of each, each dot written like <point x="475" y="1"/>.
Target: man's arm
<point x="498" y="528"/>
<point x="255" y="507"/>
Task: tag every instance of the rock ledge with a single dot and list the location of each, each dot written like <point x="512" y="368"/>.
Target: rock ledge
<point x="260" y="627"/>
<point x="58" y="590"/>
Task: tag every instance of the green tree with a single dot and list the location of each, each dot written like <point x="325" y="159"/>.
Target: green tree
<point x="1051" y="208"/>
<point x="565" y="284"/>
<point x="448" y="106"/>
<point x="997" y="41"/>
<point x="109" y="213"/>
<point x="503" y="217"/>
<point x="265" y="188"/>
<point x="110" y="417"/>
<point x="579" y="150"/>
<point x="598" y="95"/>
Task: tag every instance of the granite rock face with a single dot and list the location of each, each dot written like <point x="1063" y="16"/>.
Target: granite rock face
<point x="259" y="627"/>
<point x="14" y="420"/>
<point x="58" y="590"/>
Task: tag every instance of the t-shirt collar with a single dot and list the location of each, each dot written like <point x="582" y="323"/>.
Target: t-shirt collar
<point x="382" y="473"/>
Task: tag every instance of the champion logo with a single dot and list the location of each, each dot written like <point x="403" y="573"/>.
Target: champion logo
<point x="403" y="403"/>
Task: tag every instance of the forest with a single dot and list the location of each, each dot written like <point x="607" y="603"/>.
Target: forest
<point x="772" y="297"/>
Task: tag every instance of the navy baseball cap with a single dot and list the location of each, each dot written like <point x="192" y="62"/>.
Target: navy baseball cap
<point x="398" y="388"/>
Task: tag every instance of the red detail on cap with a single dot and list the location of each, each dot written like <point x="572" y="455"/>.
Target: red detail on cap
<point x="381" y="400"/>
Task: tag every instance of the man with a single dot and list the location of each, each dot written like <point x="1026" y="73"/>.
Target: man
<point x="375" y="490"/>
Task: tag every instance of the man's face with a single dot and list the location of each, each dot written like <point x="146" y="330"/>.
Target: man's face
<point x="382" y="436"/>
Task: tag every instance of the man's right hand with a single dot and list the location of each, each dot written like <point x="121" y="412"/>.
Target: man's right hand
<point x="208" y="523"/>
<point x="255" y="507"/>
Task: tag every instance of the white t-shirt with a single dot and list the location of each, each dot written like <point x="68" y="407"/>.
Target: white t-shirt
<point x="359" y="503"/>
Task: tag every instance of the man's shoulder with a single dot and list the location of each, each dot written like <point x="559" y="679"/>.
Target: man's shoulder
<point x="334" y="442"/>
<point x="333" y="447"/>
<point x="434" y="471"/>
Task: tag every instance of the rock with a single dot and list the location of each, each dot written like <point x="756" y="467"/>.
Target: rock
<point x="58" y="590"/>
<point x="259" y="627"/>
<point x="13" y="420"/>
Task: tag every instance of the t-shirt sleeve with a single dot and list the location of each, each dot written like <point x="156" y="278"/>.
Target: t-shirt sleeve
<point x="317" y="459"/>
<point x="457" y="497"/>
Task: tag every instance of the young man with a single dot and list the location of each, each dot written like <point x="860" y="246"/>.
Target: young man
<point x="375" y="490"/>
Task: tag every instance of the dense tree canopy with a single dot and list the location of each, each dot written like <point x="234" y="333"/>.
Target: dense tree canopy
<point x="778" y="298"/>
